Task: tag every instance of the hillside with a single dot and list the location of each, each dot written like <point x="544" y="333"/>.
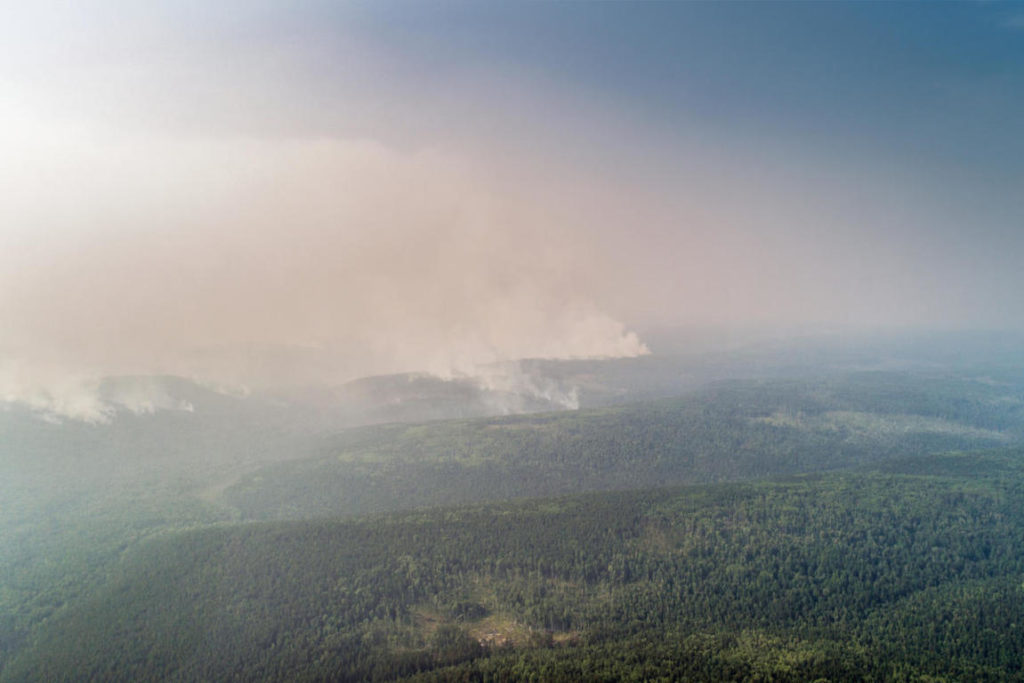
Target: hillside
<point x="79" y="499"/>
<point x="902" y="574"/>
<point x="726" y="431"/>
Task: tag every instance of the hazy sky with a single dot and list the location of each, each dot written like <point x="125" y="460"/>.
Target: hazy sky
<point x="403" y="186"/>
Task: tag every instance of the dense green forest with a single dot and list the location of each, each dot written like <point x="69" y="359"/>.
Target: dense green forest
<point x="845" y="526"/>
<point x="898" y="575"/>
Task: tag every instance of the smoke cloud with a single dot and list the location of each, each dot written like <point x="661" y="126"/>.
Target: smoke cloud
<point x="276" y="262"/>
<point x="257" y="195"/>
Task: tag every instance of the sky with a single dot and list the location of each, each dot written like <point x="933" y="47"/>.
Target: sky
<point x="212" y="189"/>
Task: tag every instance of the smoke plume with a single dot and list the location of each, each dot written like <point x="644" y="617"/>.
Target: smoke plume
<point x="268" y="263"/>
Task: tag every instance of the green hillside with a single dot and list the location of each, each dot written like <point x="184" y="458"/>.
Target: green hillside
<point x="100" y="521"/>
<point x="728" y="431"/>
<point x="844" y="576"/>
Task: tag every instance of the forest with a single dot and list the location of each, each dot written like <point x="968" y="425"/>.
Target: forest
<point x="902" y="574"/>
<point x="859" y="525"/>
<point x="726" y="431"/>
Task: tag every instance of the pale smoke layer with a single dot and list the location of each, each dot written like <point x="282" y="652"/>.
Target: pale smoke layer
<point x="266" y="263"/>
<point x="59" y="393"/>
<point x="510" y="389"/>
